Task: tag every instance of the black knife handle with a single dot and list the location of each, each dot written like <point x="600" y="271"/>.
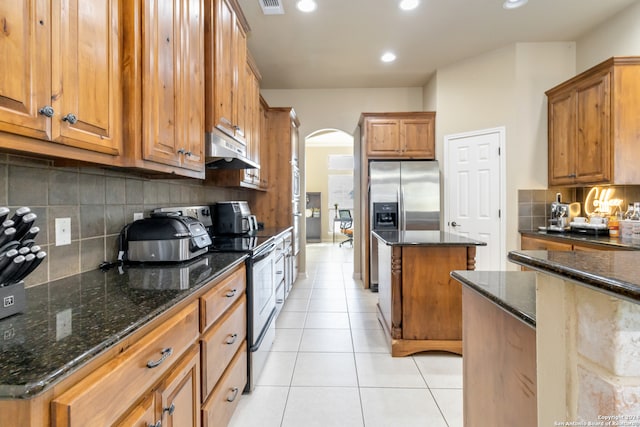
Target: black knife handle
<point x="40" y="256"/>
<point x="11" y="269"/>
<point x="4" y="212"/>
<point x="19" y="213"/>
<point x="19" y="274"/>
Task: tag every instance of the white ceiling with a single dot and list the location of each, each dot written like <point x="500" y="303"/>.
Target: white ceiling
<point x="339" y="45"/>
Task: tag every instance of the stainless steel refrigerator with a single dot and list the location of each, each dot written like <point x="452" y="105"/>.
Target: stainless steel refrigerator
<point x="403" y="195"/>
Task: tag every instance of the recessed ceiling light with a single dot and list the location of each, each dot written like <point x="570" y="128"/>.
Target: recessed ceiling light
<point x="514" y="4"/>
<point x="388" y="57"/>
<point x="409" y="4"/>
<point x="306" y="5"/>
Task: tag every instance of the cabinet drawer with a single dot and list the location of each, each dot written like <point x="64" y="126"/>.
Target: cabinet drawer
<point x="221" y="297"/>
<point x="221" y="343"/>
<point x="105" y="394"/>
<point x="218" y="409"/>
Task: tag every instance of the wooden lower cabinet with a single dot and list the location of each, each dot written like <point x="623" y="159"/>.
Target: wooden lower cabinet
<point x="420" y="305"/>
<point x="218" y="408"/>
<point x="188" y="363"/>
<point x="535" y="244"/>
<point x="176" y="402"/>
<point x="107" y="393"/>
<point x="499" y="366"/>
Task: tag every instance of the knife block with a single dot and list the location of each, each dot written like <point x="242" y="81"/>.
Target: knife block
<point x="12" y="299"/>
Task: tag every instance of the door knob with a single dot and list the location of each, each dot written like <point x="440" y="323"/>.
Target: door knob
<point x="455" y="224"/>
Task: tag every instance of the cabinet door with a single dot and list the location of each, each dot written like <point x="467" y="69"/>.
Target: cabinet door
<point x="141" y="415"/>
<point x="383" y="137"/>
<point x="85" y="75"/>
<point x="191" y="99"/>
<point x="160" y="81"/>
<point x="418" y="139"/>
<point x="240" y="82"/>
<point x="593" y="138"/>
<point x="25" y="86"/>
<point x="562" y="138"/>
<point x="179" y="394"/>
<point x="263" y="174"/>
<point x="224" y="23"/>
<point x="533" y="244"/>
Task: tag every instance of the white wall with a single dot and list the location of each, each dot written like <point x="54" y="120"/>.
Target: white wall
<point x="619" y="36"/>
<point x="506" y="88"/>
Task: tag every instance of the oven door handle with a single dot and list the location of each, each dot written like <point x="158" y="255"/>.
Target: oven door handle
<point x="263" y="332"/>
<point x="264" y="253"/>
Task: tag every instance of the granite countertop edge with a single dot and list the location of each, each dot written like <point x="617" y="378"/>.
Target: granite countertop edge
<point x="607" y="241"/>
<point x="391" y="238"/>
<point x="510" y="308"/>
<point x="609" y="285"/>
<point x="32" y="389"/>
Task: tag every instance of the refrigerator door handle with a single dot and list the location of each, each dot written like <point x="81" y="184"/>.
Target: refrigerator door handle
<point x="401" y="214"/>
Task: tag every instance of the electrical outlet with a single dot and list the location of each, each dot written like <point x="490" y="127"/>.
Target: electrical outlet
<point x="63" y="231"/>
<point x="63" y="324"/>
<point x="137" y="216"/>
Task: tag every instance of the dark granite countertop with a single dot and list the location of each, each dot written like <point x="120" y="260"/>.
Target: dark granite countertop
<point x="617" y="242"/>
<point x="424" y="238"/>
<point x="613" y="272"/>
<point x="273" y="231"/>
<point x="513" y="291"/>
<point x="104" y="308"/>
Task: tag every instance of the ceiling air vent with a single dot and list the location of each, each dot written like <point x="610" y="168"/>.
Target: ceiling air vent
<point x="271" y="7"/>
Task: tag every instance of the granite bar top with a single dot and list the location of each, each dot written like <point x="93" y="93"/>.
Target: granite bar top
<point x="614" y="272"/>
<point x="424" y="238"/>
<point x="617" y="242"/>
<point x="103" y="307"/>
<point x="513" y="291"/>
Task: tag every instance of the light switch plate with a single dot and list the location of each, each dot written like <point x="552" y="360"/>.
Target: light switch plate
<point x="63" y="231"/>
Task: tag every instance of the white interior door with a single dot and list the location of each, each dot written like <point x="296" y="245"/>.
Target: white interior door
<point x="474" y="192"/>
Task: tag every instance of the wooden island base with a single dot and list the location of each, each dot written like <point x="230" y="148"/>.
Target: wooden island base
<point x="401" y="347"/>
<point x="419" y="304"/>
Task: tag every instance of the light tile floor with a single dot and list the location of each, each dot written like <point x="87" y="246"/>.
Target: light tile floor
<point x="330" y="363"/>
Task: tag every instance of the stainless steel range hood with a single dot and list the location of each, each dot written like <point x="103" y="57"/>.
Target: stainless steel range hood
<point x="223" y="152"/>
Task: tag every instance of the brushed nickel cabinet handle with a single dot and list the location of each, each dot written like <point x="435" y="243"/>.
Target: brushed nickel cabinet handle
<point x="235" y="394"/>
<point x="158" y="424"/>
<point x="46" y="111"/>
<point x="181" y="151"/>
<point x="171" y="409"/>
<point x="231" y="293"/>
<point x="71" y="118"/>
<point x="232" y="338"/>
<point x="164" y="354"/>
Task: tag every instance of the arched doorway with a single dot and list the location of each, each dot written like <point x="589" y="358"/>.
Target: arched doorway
<point x="329" y="181"/>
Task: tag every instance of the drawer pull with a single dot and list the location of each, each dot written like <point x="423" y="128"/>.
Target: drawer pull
<point x="171" y="409"/>
<point x="158" y="424"/>
<point x="235" y="394"/>
<point x="231" y="293"/>
<point x="232" y="338"/>
<point x="165" y="353"/>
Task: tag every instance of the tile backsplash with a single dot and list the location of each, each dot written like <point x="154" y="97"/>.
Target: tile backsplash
<point x="98" y="201"/>
<point x="533" y="205"/>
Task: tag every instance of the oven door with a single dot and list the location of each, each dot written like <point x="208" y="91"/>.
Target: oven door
<point x="263" y="289"/>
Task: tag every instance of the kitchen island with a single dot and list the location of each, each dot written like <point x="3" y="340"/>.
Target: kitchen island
<point x="499" y="364"/>
<point x="79" y="350"/>
<point x="420" y="305"/>
<point x="587" y="336"/>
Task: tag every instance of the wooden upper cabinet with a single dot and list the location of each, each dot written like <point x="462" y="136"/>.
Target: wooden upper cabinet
<point x="173" y="83"/>
<point x="593" y="126"/>
<point x="226" y="50"/>
<point x="25" y="86"/>
<point x="400" y="135"/>
<point x="61" y="72"/>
